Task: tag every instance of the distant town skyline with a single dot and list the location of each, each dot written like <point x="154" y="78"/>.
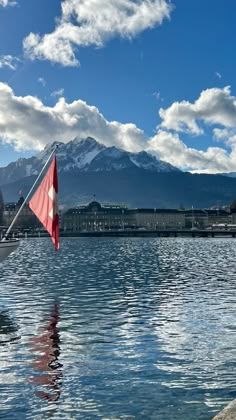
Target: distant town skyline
<point x="95" y="217"/>
<point x="153" y="75"/>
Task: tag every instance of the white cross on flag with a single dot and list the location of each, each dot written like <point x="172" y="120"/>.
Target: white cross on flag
<point x="44" y="203"/>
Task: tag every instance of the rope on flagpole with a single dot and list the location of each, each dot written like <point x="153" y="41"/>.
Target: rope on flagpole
<point x="25" y="200"/>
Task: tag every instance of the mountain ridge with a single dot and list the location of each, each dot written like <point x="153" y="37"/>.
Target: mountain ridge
<point x="137" y="188"/>
<point x="138" y="179"/>
<point x="84" y="155"/>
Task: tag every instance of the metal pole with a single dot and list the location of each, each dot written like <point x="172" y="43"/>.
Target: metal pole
<point x="25" y="200"/>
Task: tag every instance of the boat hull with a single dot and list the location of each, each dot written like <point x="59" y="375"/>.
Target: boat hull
<point x="7" y="247"/>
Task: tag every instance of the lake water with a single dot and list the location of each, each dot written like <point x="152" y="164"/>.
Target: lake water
<point x="118" y="329"/>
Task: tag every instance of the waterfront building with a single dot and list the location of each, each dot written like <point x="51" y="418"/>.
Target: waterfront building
<point x="158" y="219"/>
<point x="102" y="217"/>
<point x="233" y="211"/>
<point x="26" y="220"/>
<point x="207" y="218"/>
<point x="97" y="217"/>
<point x="219" y="217"/>
<point x="196" y="218"/>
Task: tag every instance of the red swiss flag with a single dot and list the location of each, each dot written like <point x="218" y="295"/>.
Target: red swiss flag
<point x="44" y="203"/>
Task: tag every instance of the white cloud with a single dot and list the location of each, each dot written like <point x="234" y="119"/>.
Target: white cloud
<point x="59" y="92"/>
<point x="9" y="61"/>
<point x="169" y="147"/>
<point x="28" y="124"/>
<point x="42" y="81"/>
<point x="214" y="106"/>
<point x="94" y="22"/>
<point x="6" y="3"/>
<point x="158" y="97"/>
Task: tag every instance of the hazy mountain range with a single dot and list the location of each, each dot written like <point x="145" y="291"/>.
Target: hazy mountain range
<point x="87" y="168"/>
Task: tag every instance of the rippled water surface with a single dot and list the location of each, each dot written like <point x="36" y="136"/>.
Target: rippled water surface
<point x="118" y="329"/>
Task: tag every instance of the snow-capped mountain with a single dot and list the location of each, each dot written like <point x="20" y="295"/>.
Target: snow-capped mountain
<point x="86" y="155"/>
<point x="112" y="158"/>
<point x="77" y="154"/>
<point x="87" y="167"/>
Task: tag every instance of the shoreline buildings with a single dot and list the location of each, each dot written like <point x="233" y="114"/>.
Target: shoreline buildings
<point x="95" y="217"/>
<point x="99" y="217"/>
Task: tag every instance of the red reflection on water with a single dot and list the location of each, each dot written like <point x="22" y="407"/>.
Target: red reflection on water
<point x="47" y="351"/>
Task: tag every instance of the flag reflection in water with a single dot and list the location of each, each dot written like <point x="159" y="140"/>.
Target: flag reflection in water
<point x="46" y="347"/>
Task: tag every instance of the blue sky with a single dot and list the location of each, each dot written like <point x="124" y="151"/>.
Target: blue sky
<point x="141" y="75"/>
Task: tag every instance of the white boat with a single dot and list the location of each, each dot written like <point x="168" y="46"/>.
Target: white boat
<point x="7" y="247"/>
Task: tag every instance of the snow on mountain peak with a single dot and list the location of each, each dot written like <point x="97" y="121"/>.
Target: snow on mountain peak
<point x="86" y="155"/>
<point x="149" y="162"/>
<point x="75" y="154"/>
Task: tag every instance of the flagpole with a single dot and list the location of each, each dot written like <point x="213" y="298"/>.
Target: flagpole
<point x="25" y="200"/>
